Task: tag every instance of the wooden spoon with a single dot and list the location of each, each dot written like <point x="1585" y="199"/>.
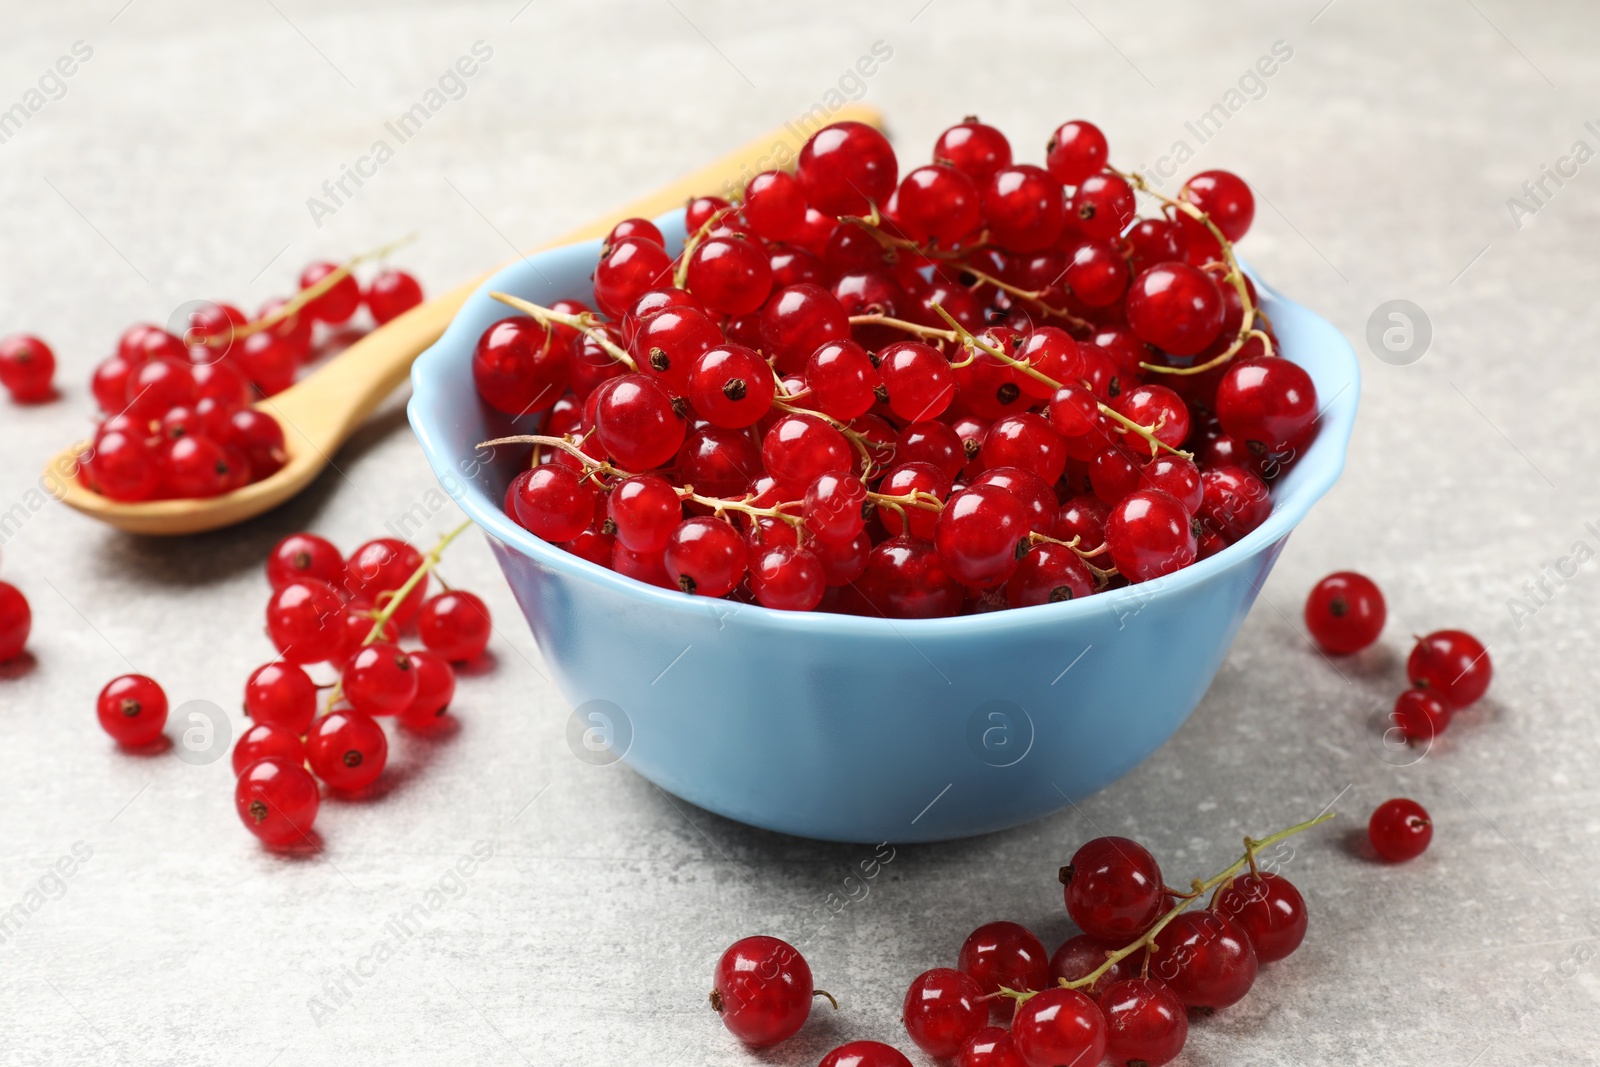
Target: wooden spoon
<point x="321" y="411"/>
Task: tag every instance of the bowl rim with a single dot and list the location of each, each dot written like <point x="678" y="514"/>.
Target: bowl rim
<point x="1321" y="466"/>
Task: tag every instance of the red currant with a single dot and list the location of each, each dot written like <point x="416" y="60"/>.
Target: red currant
<point x="834" y="507"/>
<point x="391" y="294"/>
<point x="277" y="801"/>
<point x="1113" y="888"/>
<point x="265" y="741"/>
<point x="1206" y="958"/>
<point x="1345" y="612"/>
<point x="762" y="989"/>
<point x="905" y="578"/>
<point x="1024" y="208"/>
<point x="1452" y="664"/>
<point x="1005" y="954"/>
<point x="455" y="625"/>
<point x="260" y="438"/>
<point x="842" y="379"/>
<point x="1103" y="206"/>
<point x="706" y="556"/>
<point x="990" y="1047"/>
<point x="1420" y="715"/>
<point x="731" y="387"/>
<point x="27" y="367"/>
<point x="636" y="228"/>
<point x="799" y="319"/>
<point x="942" y="1009"/>
<point x="304" y="555"/>
<point x="132" y="709"/>
<point x="629" y="268"/>
<point x="974" y="149"/>
<point x="1269" y="909"/>
<point x="938" y="203"/>
<point x="636" y="422"/>
<point x="1225" y="197"/>
<point x="918" y="379"/>
<point x="1076" y="150"/>
<point x="339" y="303"/>
<point x="799" y="448"/>
<point x="1059" y="1027"/>
<point x="700" y="211"/>
<point x="1145" y="1022"/>
<point x="552" y="502"/>
<point x="123" y="467"/>
<point x="16" y="622"/>
<point x="865" y="1054"/>
<point x="281" y="695"/>
<point x="719" y="462"/>
<point x="846" y="167"/>
<point x="305" y="620"/>
<point x="1175" y="307"/>
<point x="518" y="368"/>
<point x="1049" y="574"/>
<point x="1082" y="955"/>
<point x="1234" y="502"/>
<point x="1149" y="534"/>
<point x="787" y="577"/>
<point x="379" y="568"/>
<point x="775" y="206"/>
<point x="1267" y="402"/>
<point x="1400" y="830"/>
<point x="379" y="680"/>
<point x="436" y="687"/>
<point x="347" y="749"/>
<point x="981" y="535"/>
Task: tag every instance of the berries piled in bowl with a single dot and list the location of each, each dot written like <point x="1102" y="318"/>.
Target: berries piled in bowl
<point x="761" y="473"/>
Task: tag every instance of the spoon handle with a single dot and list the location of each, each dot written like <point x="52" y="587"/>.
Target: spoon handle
<point x="329" y="404"/>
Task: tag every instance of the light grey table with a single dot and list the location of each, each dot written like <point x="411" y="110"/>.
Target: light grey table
<point x="177" y="161"/>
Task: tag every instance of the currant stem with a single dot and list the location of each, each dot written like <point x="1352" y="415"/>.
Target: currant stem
<point x="680" y="274"/>
<point x="305" y="296"/>
<point x="587" y="324"/>
<point x="824" y="993"/>
<point x="1033" y="297"/>
<point x="901" y="324"/>
<point x="1149" y="938"/>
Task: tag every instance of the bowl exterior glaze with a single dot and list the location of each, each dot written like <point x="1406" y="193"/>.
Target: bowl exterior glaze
<point x="854" y="729"/>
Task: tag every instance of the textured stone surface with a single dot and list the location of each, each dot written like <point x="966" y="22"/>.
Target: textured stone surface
<point x="177" y="165"/>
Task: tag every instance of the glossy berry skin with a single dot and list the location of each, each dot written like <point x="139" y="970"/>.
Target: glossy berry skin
<point x="629" y="268"/>
<point x="455" y="625"/>
<point x="281" y="695"/>
<point x="265" y="741"/>
<point x="1059" y="1028"/>
<point x="1112" y="888"/>
<point x="260" y="438"/>
<point x="730" y="274"/>
<point x="1081" y="955"/>
<point x="436" y="687"/>
<point x="347" y="750"/>
<point x="636" y="423"/>
<point x="196" y="467"/>
<point x="645" y="509"/>
<point x="731" y="387"/>
<point x="798" y="449"/>
<point x="1158" y="408"/>
<point x="1076" y="150"/>
<point x="904" y="480"/>
<point x="391" y="294"/>
<point x="905" y="578"/>
<point x="16" y="622"/>
<point x="1267" y="402"/>
<point x="1097" y="274"/>
<point x="1205" y="958"/>
<point x="1027" y="441"/>
<point x="27" y="367"/>
<point x="942" y="1009"/>
<point x="304" y="555"/>
<point x="775" y="206"/>
<point x="132" y="709"/>
<point x="865" y="1054"/>
<point x="277" y="801"/>
<point x="156" y="387"/>
<point x="1233" y="502"/>
<point x="1145" y="1023"/>
<point x="123" y="467"/>
<point x="842" y="379"/>
<point x="1049" y="574"/>
<point x="700" y="211"/>
<point x="918" y="378"/>
<point x="787" y="578"/>
<point x="552" y="502"/>
<point x="1024" y="208"/>
<point x="761" y="988"/>
<point x="1225" y="197"/>
<point x="518" y="367"/>
<point x="1176" y="307"/>
<point x="636" y="228"/>
<point x="834" y="507"/>
<point x="938" y="203"/>
<point x="305" y="620"/>
<point x="974" y="148"/>
<point x="990" y="1047"/>
<point x="797" y="320"/>
<point x="1149" y="534"/>
<point x="1345" y="613"/>
<point x="981" y="535"/>
<point x="1420" y="715"/>
<point x="1005" y="954"/>
<point x="706" y="556"/>
<point x="1270" y="910"/>
<point x="1452" y="664"/>
<point x="382" y="566"/>
<point x="1102" y="206"/>
<point x="338" y="304"/>
<point x="379" y="680"/>
<point x="1400" y="830"/>
<point x="846" y="167"/>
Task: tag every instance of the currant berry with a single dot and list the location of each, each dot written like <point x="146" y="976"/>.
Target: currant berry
<point x="1158" y="408"/>
<point x="1223" y="196"/>
<point x="636" y="422"/>
<point x="938" y="203"/>
<point x="1081" y="955"/>
<point x="1149" y="534"/>
<point x="1084" y="517"/>
<point x="260" y="438"/>
<point x="865" y="1054"/>
<point x="1176" y="307"/>
<point x="981" y="535"/>
<point x="798" y="320"/>
<point x="846" y="167"/>
<point x="436" y="687"/>
<point x="943" y="1007"/>
<point x="123" y="467"/>
<point x="1345" y="612"/>
<point x="918" y="378"/>
<point x="905" y="578"/>
<point x="517" y="367"/>
<point x="1005" y="954"/>
<point x="265" y="741"/>
<point x="730" y="274"/>
<point x="305" y="620"/>
<point x="552" y="502"/>
<point x="719" y="462"/>
<point x="762" y="989"/>
<point x="277" y="801"/>
<point x="1024" y="208"/>
<point x="294" y="329"/>
<point x="990" y="1047"/>
<point x="379" y="681"/>
<point x="1076" y="150"/>
<point x="1452" y="664"/>
<point x="1267" y="402"/>
<point x="379" y="568"/>
<point x="27" y="368"/>
<point x="700" y="211"/>
<point x="799" y="448"/>
<point x="391" y="294"/>
<point x="842" y="379"/>
<point x="1027" y="441"/>
<point x="904" y="480"/>
<point x="974" y="149"/>
<point x="132" y="709"/>
<point x="281" y="695"/>
<point x="1234" y="502"/>
<point x="1269" y="909"/>
<point x="1420" y="715"/>
<point x="16" y="622"/>
<point x="1113" y="888"/>
<point x="339" y="303"/>
<point x="304" y="555"/>
<point x="1058" y="1027"/>
<point x="731" y="387"/>
<point x="1176" y="476"/>
<point x="1145" y="1022"/>
<point x="1097" y="274"/>
<point x="455" y="625"/>
<point x="636" y="228"/>
<point x="705" y="556"/>
<point x="1400" y="830"/>
<point x="787" y="577"/>
<point x="775" y="206"/>
<point x="1049" y="574"/>
<point x="934" y="443"/>
<point x="629" y="268"/>
<point x="834" y="507"/>
<point x="347" y="749"/>
<point x="268" y="361"/>
<point x="1205" y="958"/>
<point x="1103" y="206"/>
<point x="157" y="386"/>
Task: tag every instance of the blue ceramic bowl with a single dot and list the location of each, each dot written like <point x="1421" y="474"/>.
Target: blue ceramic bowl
<point x="855" y="729"/>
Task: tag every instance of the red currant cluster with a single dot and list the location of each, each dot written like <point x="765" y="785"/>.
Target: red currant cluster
<point x="177" y="416"/>
<point x="989" y="384"/>
<point x="347" y="615"/>
<point x="16" y="622"/>
<point x="27" y="369"/>
<point x="1448" y="669"/>
<point x="1120" y="990"/>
